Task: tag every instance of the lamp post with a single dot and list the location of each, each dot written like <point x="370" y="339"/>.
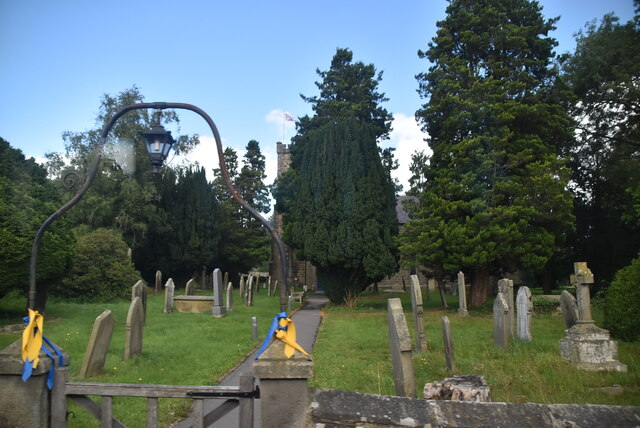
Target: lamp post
<point x="158" y="142"/>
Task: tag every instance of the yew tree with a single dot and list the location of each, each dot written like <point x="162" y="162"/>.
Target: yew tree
<point x="495" y="197"/>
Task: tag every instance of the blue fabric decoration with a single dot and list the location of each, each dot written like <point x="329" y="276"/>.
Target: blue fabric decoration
<point x="272" y="330"/>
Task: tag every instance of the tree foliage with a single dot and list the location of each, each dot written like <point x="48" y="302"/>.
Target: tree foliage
<point x="495" y="195"/>
<point x="622" y="303"/>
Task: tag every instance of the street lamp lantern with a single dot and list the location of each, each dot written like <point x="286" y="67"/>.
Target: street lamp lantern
<point x="158" y="142"/>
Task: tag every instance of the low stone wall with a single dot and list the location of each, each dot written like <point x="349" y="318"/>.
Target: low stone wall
<point x="334" y="408"/>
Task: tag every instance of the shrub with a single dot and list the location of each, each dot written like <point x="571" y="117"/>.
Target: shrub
<point x="622" y="303"/>
<point x="545" y="305"/>
<point x="101" y="269"/>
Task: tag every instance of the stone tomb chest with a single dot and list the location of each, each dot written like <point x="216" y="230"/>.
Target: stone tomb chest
<point x="193" y="304"/>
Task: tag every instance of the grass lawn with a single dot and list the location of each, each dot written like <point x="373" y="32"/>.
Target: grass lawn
<point x="352" y="353"/>
<point x="178" y="349"/>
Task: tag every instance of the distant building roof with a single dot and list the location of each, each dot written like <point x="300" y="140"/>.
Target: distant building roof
<point x="403" y="217"/>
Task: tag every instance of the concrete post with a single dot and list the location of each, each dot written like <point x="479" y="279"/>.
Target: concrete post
<point x="283" y="381"/>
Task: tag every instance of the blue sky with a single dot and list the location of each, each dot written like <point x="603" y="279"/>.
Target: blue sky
<point x="243" y="62"/>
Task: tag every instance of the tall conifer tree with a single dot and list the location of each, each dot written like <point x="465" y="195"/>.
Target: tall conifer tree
<point x="495" y="196"/>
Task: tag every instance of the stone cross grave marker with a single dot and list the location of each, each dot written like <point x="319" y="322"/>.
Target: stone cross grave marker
<point x="158" y="281"/>
<point x="134" y="328"/>
<point x="169" y="290"/>
<point x="448" y="344"/>
<point x="462" y="295"/>
<point x="581" y="280"/>
<point x="139" y="289"/>
<point x="505" y="286"/>
<point x="525" y="310"/>
<point x="501" y="330"/>
<point x="569" y="308"/>
<point x="400" y="343"/>
<point x="219" y="309"/>
<point x="418" y="311"/>
<point x="190" y="288"/>
<point x="229" y="296"/>
<point x="98" y="345"/>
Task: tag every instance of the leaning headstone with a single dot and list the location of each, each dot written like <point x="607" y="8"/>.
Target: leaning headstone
<point x="505" y="286"/>
<point x="459" y="388"/>
<point x="134" y="328"/>
<point x="219" y="309"/>
<point x="501" y="330"/>
<point x="448" y="344"/>
<point x="98" y="345"/>
<point x="225" y="278"/>
<point x="525" y="309"/>
<point x="250" y="292"/>
<point x="242" y="287"/>
<point x="190" y="288"/>
<point x="229" y="296"/>
<point x="158" y="281"/>
<point x="585" y="344"/>
<point x="569" y="308"/>
<point x="169" y="289"/>
<point x="400" y="343"/>
<point x="462" y="295"/>
<point x="418" y="311"/>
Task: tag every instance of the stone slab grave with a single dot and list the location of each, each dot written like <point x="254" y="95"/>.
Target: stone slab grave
<point x="169" y="290"/>
<point x="400" y="343"/>
<point x="585" y="344"/>
<point x="525" y="309"/>
<point x="218" y="308"/>
<point x="418" y="311"/>
<point x="501" y="330"/>
<point x="462" y="295"/>
<point x="459" y="388"/>
<point x="134" y="329"/>
<point x="569" y="308"/>
<point x="98" y="346"/>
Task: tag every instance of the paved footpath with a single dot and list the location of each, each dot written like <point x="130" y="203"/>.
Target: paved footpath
<point x="307" y="321"/>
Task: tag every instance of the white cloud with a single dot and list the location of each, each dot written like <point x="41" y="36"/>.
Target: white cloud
<point x="204" y="154"/>
<point x="284" y="128"/>
<point x="406" y="137"/>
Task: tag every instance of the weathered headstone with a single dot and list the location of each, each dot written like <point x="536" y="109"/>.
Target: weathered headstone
<point x="418" y="311"/>
<point x="462" y="295"/>
<point x="169" y="290"/>
<point x="585" y="344"/>
<point x="158" y="281"/>
<point x="250" y="292"/>
<point x="98" y="345"/>
<point x="400" y="343"/>
<point x="242" y="287"/>
<point x="219" y="309"/>
<point x="448" y="344"/>
<point x="139" y="289"/>
<point x="225" y="278"/>
<point x="505" y="286"/>
<point x="459" y="388"/>
<point x="569" y="308"/>
<point x="525" y="310"/>
<point x="134" y="329"/>
<point x="190" y="288"/>
<point x="229" y="297"/>
<point x="501" y="330"/>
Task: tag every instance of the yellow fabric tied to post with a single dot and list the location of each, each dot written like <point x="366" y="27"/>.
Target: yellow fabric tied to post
<point x="284" y="329"/>
<point x="32" y="338"/>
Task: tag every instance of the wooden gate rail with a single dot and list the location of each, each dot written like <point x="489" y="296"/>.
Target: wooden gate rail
<point x="237" y="396"/>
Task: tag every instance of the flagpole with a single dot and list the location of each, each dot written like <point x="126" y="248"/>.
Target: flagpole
<point x="283" y="127"/>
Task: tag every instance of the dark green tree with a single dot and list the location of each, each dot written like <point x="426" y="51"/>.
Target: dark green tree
<point x="28" y="198"/>
<point x="604" y="74"/>
<point x="495" y="197"/>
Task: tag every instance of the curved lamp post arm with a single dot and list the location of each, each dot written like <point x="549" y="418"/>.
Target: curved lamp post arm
<point x="284" y="290"/>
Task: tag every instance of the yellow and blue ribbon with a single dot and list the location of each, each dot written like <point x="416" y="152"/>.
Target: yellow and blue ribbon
<point x="283" y="328"/>
<point x="32" y="343"/>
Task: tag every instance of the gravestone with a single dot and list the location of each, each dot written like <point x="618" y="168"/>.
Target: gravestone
<point x="98" y="345"/>
<point x="249" y="299"/>
<point x="462" y="295"/>
<point x="225" y="278"/>
<point x="190" y="288"/>
<point x="134" y="328"/>
<point x="219" y="309"/>
<point x="229" y="296"/>
<point x="448" y="344"/>
<point x="501" y="330"/>
<point x="400" y="343"/>
<point x="569" y="308"/>
<point x="269" y="287"/>
<point x="242" y="287"/>
<point x="418" y="311"/>
<point x="505" y="286"/>
<point x="158" y="281"/>
<point x="525" y="309"/>
<point x="139" y="289"/>
<point x="585" y="344"/>
<point x="169" y="290"/>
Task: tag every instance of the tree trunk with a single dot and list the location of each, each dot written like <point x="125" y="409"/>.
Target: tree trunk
<point x="547" y="279"/>
<point x="480" y="286"/>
